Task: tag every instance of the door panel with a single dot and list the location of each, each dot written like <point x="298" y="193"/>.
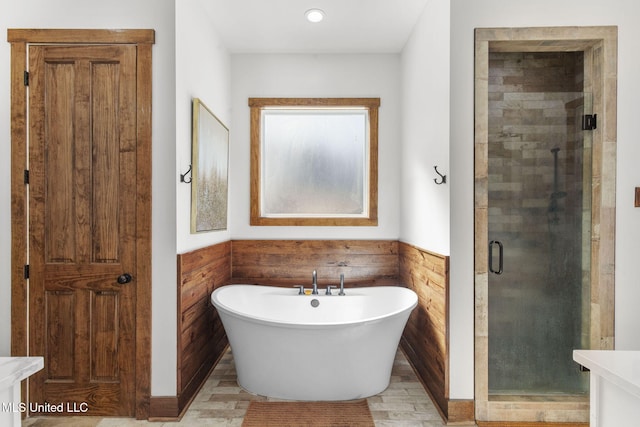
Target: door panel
<point x="82" y="225"/>
<point x="60" y="327"/>
<point x="539" y="213"/>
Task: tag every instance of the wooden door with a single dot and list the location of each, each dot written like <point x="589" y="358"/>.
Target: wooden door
<point x="82" y="226"/>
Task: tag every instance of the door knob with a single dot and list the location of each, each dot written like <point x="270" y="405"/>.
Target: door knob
<point x="124" y="278"/>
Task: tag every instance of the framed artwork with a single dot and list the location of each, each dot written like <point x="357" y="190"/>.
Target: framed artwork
<point x="210" y="160"/>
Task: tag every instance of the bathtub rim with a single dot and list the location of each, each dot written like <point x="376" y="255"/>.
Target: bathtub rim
<point x="290" y="324"/>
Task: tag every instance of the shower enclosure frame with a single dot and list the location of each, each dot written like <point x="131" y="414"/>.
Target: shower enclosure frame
<point x="599" y="45"/>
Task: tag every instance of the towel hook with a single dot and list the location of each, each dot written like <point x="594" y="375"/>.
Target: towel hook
<point x="183" y="176"/>
<point x="443" y="178"/>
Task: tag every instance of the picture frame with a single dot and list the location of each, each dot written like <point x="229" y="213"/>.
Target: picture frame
<point x="210" y="170"/>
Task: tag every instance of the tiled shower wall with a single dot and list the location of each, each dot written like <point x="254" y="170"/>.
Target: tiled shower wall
<point x="527" y="118"/>
<point x="532" y="110"/>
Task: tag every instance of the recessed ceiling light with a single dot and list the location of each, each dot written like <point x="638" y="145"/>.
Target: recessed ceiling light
<point x="314" y="15"/>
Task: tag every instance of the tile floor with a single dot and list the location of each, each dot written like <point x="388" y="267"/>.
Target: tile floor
<point x="221" y="402"/>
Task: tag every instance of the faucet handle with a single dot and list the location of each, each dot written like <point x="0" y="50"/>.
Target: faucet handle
<point x="329" y="287"/>
<point x="301" y="287"/>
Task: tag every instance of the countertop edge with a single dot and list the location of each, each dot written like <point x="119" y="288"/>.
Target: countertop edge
<point x="616" y="366"/>
<point x="15" y="369"/>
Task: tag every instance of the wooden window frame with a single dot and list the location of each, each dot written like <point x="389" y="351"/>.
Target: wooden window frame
<point x="257" y="105"/>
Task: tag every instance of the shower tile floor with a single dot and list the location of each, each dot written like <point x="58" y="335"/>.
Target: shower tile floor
<point x="221" y="402"/>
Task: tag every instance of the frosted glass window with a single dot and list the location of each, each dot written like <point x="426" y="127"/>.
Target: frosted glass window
<point x="314" y="162"/>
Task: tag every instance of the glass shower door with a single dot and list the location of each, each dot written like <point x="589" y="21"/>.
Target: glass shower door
<point x="539" y="242"/>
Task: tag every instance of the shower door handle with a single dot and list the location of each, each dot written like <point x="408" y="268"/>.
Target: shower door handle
<point x="500" y="257"/>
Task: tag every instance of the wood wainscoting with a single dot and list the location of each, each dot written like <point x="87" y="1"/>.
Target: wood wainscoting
<point x="201" y="336"/>
<point x="426" y="337"/>
<point x="528" y="424"/>
<point x="291" y="262"/>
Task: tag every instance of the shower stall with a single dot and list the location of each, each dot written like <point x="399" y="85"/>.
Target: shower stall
<point x="539" y="223"/>
<point x="544" y="217"/>
<point x="539" y="229"/>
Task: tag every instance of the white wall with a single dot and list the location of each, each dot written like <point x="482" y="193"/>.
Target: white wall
<point x="202" y="71"/>
<point x="113" y="14"/>
<point x="424" y="219"/>
<point x="425" y="207"/>
<point x="316" y="76"/>
<point x="203" y="68"/>
<point x="467" y="15"/>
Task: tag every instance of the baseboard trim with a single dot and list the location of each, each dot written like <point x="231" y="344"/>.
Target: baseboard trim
<point x="164" y="408"/>
<point x="455" y="411"/>
<point x="528" y="424"/>
<point x="460" y="411"/>
<point x="173" y="408"/>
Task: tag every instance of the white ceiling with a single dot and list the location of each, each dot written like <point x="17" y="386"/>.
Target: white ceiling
<point x="279" y="26"/>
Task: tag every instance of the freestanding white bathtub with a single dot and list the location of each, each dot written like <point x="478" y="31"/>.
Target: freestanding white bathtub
<point x="314" y="347"/>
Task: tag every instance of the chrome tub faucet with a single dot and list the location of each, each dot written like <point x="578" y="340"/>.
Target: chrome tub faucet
<point x="314" y="282"/>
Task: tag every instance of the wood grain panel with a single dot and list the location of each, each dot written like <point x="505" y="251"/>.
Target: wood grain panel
<point x="60" y="244"/>
<point x="461" y="411"/>
<point x="201" y="337"/>
<point x="290" y="262"/>
<point x="141" y="142"/>
<point x="19" y="229"/>
<point x="105" y="160"/>
<point x="66" y="36"/>
<point x="104" y="308"/>
<point x="143" y="226"/>
<point x="164" y="408"/>
<point x="426" y="336"/>
<point x="60" y="338"/>
<point x="70" y="160"/>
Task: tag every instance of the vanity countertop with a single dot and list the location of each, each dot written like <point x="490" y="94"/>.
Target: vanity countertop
<point x="620" y="367"/>
<point x="15" y="369"/>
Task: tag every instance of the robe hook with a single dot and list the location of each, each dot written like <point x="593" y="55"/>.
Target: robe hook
<point x="183" y="176"/>
<point x="443" y="178"/>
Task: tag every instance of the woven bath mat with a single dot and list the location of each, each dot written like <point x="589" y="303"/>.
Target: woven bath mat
<point x="304" y="414"/>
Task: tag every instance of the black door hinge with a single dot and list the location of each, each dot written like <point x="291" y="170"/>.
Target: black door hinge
<point x="26" y="271"/>
<point x="26" y="176"/>
<point x="26" y="78"/>
<point x="589" y="121"/>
